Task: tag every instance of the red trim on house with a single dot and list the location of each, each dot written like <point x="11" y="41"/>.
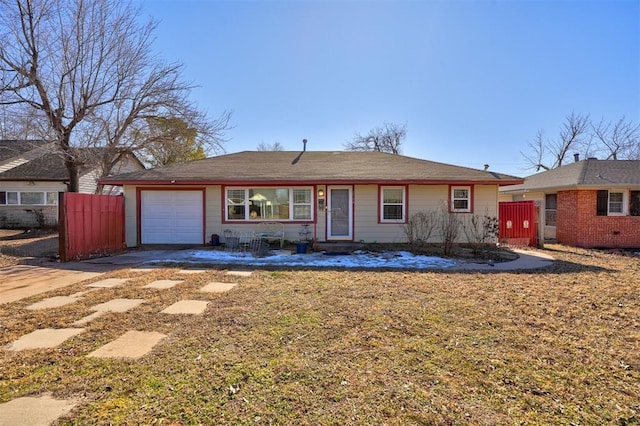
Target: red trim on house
<point x="406" y="205"/>
<point x="223" y="204"/>
<point x="171" y="188"/>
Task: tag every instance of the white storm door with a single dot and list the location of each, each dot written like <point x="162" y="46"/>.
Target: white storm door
<point x="339" y="214"/>
<point x="171" y="217"/>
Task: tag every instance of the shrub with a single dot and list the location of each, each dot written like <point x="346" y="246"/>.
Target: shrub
<point x="419" y="228"/>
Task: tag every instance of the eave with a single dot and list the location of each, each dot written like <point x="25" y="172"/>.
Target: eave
<point x="329" y="181"/>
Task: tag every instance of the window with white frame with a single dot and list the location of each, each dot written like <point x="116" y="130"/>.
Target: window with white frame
<point x="610" y="203"/>
<point x="393" y="204"/>
<point x="279" y="204"/>
<point x="615" y="202"/>
<point x="29" y="198"/>
<point x="461" y="198"/>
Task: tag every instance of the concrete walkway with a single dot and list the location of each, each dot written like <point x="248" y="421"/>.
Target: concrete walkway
<point x="22" y="281"/>
<point x="527" y="259"/>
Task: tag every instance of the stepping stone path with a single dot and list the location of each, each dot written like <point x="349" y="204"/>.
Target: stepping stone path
<point x="162" y="284"/>
<point x="34" y="411"/>
<point x="43" y="410"/>
<point x="56" y="301"/>
<point x="193" y="307"/>
<point x="217" y="287"/>
<point x="44" y="338"/>
<point x="108" y="283"/>
<point x="115" y="305"/>
<point x="132" y="344"/>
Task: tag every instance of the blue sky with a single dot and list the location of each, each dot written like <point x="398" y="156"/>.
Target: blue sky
<point x="473" y="80"/>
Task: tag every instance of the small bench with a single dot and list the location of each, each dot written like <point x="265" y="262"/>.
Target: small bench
<point x="271" y="231"/>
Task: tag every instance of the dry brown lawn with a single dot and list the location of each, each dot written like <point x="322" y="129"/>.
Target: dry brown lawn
<point x="18" y="246"/>
<point x="559" y="346"/>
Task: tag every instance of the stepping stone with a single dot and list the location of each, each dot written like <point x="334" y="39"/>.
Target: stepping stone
<point x="193" y="307"/>
<point x="162" y="284"/>
<point x="217" y="287"/>
<point x="88" y="319"/>
<point x="35" y="411"/>
<point x="115" y="305"/>
<point x="192" y="271"/>
<point x="133" y="344"/>
<point x="52" y="302"/>
<point x="44" y="338"/>
<point x="240" y="273"/>
<point x="108" y="283"/>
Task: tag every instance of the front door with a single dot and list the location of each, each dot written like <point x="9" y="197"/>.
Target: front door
<point x="339" y="215"/>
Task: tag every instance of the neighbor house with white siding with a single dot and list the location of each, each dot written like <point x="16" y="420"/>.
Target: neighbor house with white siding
<point x="32" y="175"/>
<point x="336" y="196"/>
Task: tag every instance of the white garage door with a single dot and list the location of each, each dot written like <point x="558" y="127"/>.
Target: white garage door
<point x="171" y="217"/>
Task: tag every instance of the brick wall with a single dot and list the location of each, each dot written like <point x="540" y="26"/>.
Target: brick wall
<point x="578" y="225"/>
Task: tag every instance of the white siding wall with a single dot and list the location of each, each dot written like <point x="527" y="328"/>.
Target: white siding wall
<point x="366" y="226"/>
<point x="22" y="215"/>
<point x="420" y="198"/>
<point x="130" y="216"/>
<point x="88" y="182"/>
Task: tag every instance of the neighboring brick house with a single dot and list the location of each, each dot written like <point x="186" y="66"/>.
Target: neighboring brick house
<point x="589" y="203"/>
<point x="32" y="175"/>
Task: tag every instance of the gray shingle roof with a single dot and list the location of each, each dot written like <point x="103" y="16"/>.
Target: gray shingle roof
<point x="586" y="173"/>
<point x="311" y="166"/>
<point x="10" y="148"/>
<point x="48" y="167"/>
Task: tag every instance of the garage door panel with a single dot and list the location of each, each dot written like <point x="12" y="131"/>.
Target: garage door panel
<point x="171" y="217"/>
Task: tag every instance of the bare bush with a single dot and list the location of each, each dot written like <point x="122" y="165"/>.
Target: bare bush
<point x="450" y="226"/>
<point x="419" y="228"/>
<point x="480" y="230"/>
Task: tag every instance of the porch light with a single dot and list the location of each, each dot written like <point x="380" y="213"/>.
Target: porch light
<point x="320" y="193"/>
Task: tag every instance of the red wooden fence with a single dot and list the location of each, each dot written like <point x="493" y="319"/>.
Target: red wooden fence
<point x="518" y="223"/>
<point x="90" y="225"/>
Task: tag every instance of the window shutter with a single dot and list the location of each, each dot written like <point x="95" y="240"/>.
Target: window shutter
<point x="602" y="203"/>
<point x="634" y="209"/>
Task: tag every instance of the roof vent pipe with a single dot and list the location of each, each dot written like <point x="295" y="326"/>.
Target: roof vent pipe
<point x="576" y="157"/>
<point x="304" y="145"/>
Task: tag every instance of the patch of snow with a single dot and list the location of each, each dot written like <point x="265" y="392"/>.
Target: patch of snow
<point x="359" y="259"/>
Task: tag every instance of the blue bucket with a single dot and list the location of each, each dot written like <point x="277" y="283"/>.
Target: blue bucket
<point x="301" y="248"/>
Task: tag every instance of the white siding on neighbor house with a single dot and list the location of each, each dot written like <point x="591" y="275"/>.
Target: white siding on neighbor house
<point x="22" y="215"/>
<point x="88" y="182"/>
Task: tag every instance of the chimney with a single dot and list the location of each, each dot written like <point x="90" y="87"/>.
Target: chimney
<point x="576" y="157"/>
<point x="304" y="145"/>
<point x="486" y="167"/>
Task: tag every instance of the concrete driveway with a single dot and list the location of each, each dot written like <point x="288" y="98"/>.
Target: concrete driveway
<point x="22" y="281"/>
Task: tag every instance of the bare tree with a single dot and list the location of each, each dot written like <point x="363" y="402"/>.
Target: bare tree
<point x="86" y="69"/>
<point x="387" y="138"/>
<point x="276" y="146"/>
<point x="617" y="140"/>
<point x="551" y="153"/>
